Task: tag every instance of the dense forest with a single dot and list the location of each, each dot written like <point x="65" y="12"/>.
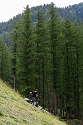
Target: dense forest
<point x="42" y="48"/>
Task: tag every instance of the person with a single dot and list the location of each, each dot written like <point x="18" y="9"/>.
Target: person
<point x="34" y="96"/>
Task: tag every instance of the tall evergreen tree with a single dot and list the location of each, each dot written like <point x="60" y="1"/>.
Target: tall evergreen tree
<point x="54" y="32"/>
<point x="5" y="61"/>
<point x="26" y="54"/>
<point x="14" y="39"/>
<point x="71" y="69"/>
<point x="42" y="41"/>
<point x="80" y="27"/>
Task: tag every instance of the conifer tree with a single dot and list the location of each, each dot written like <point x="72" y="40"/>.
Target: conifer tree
<point x="71" y="60"/>
<point x="5" y="61"/>
<point x="26" y="54"/>
<point x="42" y="42"/>
<point x="15" y="43"/>
<point x="54" y="33"/>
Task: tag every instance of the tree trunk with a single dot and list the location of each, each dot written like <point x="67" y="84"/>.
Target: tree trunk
<point x="14" y="83"/>
<point x="55" y="103"/>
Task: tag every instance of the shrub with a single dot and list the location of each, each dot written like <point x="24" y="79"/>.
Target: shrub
<point x="1" y="113"/>
<point x="76" y="121"/>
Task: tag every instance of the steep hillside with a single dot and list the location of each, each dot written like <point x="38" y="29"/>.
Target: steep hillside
<point x="15" y="111"/>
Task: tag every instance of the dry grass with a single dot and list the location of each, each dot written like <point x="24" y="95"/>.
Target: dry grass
<point x="15" y="111"/>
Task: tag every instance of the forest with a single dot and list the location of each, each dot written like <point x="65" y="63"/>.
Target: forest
<point x="42" y="48"/>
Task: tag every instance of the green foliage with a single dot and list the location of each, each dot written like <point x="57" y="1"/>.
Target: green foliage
<point x="47" y="54"/>
<point x="42" y="55"/>
<point x="76" y="121"/>
<point x="25" y="56"/>
<point x="5" y="61"/>
<point x="1" y="113"/>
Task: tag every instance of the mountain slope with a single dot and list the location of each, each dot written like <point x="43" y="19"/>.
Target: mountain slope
<point x="15" y="111"/>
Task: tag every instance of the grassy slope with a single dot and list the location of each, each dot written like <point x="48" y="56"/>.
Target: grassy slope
<point x="15" y="111"/>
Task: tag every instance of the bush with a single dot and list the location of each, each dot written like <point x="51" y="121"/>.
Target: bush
<point x="76" y="121"/>
<point x="1" y="113"/>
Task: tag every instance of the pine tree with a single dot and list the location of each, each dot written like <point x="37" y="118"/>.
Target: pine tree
<point x="54" y="33"/>
<point x="15" y="44"/>
<point x="80" y="29"/>
<point x="26" y="54"/>
<point x="71" y="60"/>
<point x="42" y="42"/>
<point x="5" y="61"/>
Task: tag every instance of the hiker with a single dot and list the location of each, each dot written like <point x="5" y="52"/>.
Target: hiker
<point x="34" y="95"/>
